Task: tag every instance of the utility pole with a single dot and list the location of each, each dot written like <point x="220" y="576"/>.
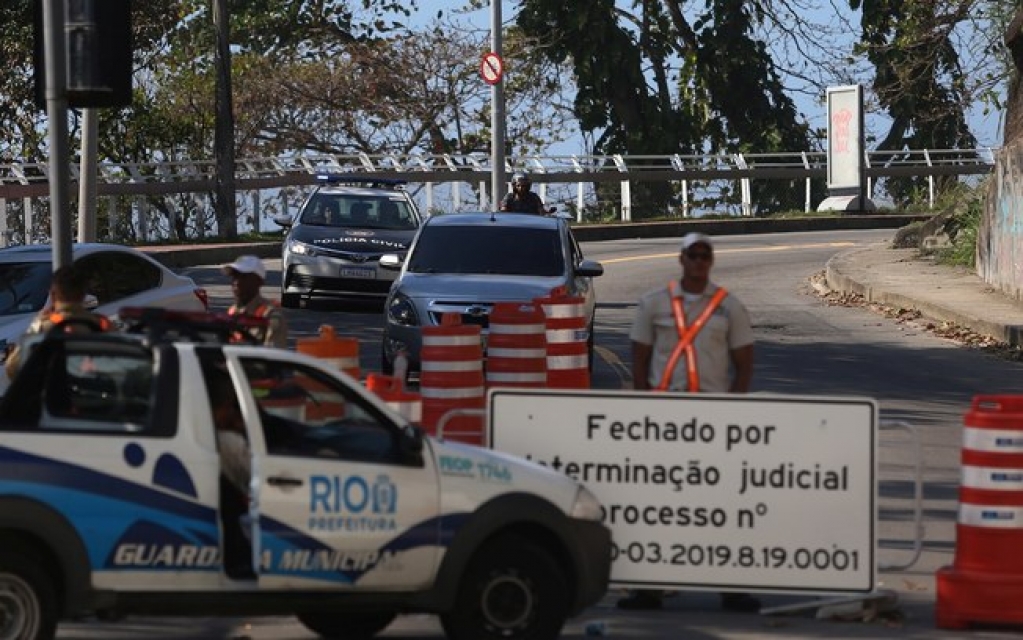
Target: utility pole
<point x="56" y="113"/>
<point x="497" y="175"/>
<point x="89" y="167"/>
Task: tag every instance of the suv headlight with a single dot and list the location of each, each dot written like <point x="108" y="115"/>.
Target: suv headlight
<point x="400" y="310"/>
<point x="586" y="506"/>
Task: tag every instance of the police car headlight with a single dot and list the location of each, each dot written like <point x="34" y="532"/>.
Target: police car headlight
<point x="301" y="248"/>
<point x="586" y="506"/>
<point x="400" y="310"/>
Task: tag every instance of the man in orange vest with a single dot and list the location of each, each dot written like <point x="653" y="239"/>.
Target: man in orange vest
<point x="66" y="308"/>
<point x="247" y="276"/>
<point x="692" y="336"/>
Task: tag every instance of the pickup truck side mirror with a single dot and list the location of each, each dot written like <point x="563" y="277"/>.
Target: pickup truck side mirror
<point x="283" y="220"/>
<point x="390" y="261"/>
<point x="410" y="444"/>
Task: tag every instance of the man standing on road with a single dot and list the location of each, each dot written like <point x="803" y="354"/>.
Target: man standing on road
<point x="692" y="336"/>
<point x="521" y="199"/>
<point x="247" y="276"/>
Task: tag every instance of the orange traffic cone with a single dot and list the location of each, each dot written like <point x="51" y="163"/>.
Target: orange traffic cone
<point x="985" y="583"/>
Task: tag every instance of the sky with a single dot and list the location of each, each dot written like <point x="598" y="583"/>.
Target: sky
<point x="987" y="128"/>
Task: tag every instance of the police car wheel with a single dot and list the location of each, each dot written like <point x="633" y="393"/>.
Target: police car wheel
<point x="512" y="588"/>
<point x="28" y="603"/>
<point x="347" y="626"/>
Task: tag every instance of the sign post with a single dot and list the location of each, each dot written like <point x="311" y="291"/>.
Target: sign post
<point x="847" y="188"/>
<point x="722" y="492"/>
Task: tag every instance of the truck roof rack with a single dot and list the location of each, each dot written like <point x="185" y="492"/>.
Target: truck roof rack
<point x="167" y="325"/>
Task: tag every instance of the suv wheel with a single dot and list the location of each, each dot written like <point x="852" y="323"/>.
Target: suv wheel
<point x="512" y="588"/>
<point x="28" y="602"/>
<point x="347" y="626"/>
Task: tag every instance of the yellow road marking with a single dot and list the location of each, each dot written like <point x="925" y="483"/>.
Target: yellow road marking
<point x="780" y="247"/>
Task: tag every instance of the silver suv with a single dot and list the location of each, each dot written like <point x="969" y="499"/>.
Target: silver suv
<point x="332" y="247"/>
<point x="465" y="262"/>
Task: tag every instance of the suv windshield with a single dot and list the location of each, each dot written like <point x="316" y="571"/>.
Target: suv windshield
<point x="24" y="287"/>
<point x="488" y="250"/>
<point x="363" y="212"/>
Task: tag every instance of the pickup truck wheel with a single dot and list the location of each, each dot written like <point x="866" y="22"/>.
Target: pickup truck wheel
<point x="28" y="602"/>
<point x="347" y="626"/>
<point x="512" y="589"/>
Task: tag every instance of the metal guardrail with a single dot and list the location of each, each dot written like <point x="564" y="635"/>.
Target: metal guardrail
<point x="718" y="183"/>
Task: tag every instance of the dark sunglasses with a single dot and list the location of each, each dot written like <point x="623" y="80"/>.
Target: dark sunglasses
<point x="706" y="256"/>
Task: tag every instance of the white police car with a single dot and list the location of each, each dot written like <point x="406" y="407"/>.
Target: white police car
<point x="333" y="246"/>
<point x="117" y="495"/>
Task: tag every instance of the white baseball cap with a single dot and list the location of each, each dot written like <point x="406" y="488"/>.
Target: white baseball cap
<point x="246" y="264"/>
<point x="696" y="238"/>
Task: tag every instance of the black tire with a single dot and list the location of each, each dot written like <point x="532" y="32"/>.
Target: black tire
<point x="28" y="599"/>
<point x="291" y="300"/>
<point x="347" y="626"/>
<point x="511" y="589"/>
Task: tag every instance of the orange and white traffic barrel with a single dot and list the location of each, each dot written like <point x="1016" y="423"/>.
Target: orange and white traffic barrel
<point x="392" y="391"/>
<point x="567" y="333"/>
<point x="341" y="352"/>
<point x="516" y="354"/>
<point x="985" y="583"/>
<point x="451" y="377"/>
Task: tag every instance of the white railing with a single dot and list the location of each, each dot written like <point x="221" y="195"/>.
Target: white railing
<point x="461" y="181"/>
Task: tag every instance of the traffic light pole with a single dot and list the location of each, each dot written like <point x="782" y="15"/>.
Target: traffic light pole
<point x="56" y="112"/>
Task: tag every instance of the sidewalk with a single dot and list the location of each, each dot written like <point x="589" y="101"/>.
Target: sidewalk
<point x="899" y="278"/>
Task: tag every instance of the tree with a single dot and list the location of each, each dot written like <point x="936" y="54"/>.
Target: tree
<point x="659" y="80"/>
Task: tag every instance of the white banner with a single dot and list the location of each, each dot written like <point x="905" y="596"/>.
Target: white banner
<point x="745" y="492"/>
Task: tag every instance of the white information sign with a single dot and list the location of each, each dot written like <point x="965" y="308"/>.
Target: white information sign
<point x="845" y="137"/>
<point x="732" y="492"/>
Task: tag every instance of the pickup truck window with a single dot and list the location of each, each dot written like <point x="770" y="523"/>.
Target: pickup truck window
<point x="305" y="413"/>
<point x="94" y="390"/>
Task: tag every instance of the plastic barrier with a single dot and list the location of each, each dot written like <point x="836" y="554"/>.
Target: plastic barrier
<point x="341" y="352"/>
<point x="985" y="583"/>
<point x="568" y="352"/>
<point x="451" y="377"/>
<point x="516" y="354"/>
<point x="391" y="390"/>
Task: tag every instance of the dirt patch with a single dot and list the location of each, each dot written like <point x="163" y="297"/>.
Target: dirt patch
<point x="915" y="319"/>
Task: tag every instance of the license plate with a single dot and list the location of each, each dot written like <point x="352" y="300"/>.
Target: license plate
<point x="359" y="272"/>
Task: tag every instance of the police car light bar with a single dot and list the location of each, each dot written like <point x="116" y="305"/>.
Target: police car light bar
<point x="160" y="324"/>
<point x="341" y="178"/>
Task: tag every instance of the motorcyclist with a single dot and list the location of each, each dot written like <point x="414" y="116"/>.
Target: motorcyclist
<point x="521" y="199"/>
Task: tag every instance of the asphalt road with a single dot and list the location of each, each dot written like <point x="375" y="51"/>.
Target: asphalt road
<point x="805" y="347"/>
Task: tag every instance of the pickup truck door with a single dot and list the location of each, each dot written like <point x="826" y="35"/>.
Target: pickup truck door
<point x="341" y="498"/>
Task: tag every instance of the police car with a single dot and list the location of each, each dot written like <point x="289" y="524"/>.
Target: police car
<point x="333" y="246"/>
<point x="114" y="498"/>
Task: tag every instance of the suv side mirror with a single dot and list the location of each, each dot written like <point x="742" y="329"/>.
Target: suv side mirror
<point x="283" y="220"/>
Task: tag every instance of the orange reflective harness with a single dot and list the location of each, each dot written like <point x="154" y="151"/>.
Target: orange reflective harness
<point x="686" y="336"/>
<point x="262" y="311"/>
<point x="101" y="322"/>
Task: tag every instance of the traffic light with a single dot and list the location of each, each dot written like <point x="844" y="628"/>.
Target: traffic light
<point x="98" y="50"/>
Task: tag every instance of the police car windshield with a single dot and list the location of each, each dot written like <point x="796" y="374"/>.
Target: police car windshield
<point x="362" y="212"/>
<point x="488" y="250"/>
<point x="24" y="287"/>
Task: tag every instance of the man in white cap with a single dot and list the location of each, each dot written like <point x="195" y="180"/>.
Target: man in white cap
<point x="694" y="336"/>
<point x="247" y="275"/>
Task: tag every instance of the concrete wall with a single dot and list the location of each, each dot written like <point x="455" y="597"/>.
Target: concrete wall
<point x="1000" y="237"/>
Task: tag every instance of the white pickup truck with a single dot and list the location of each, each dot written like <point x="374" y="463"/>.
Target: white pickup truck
<point x="115" y="500"/>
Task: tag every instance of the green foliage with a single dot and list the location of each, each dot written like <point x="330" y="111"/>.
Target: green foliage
<point x="963" y="226"/>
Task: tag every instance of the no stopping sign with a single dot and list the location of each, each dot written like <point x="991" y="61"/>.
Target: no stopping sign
<point x="491" y="68"/>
